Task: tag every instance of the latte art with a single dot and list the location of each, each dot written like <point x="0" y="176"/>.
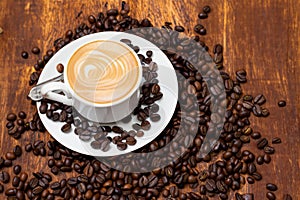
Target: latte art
<point x="103" y="72"/>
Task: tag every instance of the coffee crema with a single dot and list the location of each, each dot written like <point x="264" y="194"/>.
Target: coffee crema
<point x="103" y="72"/>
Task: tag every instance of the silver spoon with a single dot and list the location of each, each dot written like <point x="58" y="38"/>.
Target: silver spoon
<point x="35" y="92"/>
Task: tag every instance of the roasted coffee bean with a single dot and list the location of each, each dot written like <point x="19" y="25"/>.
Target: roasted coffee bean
<point x="11" y="192"/>
<point x="4" y="177"/>
<point x="287" y="197"/>
<point x="145" y="125"/>
<point x="267" y="158"/>
<point x="155" y="89"/>
<point x="1" y="188"/>
<point x="121" y="146"/>
<point x="259" y="99"/>
<point x="276" y="140"/>
<point x="140" y="133"/>
<point x="130" y="140"/>
<point x="22" y="115"/>
<point x="281" y="103"/>
<point x="10" y="156"/>
<point x="66" y="128"/>
<point x="11" y="117"/>
<point x="271" y="196"/>
<point x="202" y="15"/>
<point x="269" y="150"/>
<point x="16" y="181"/>
<point x="210" y="185"/>
<point x="221" y="186"/>
<point x="117" y="129"/>
<point x="206" y="9"/>
<point x="35" y="50"/>
<point x="262" y="143"/>
<point x="256" y="135"/>
<point x="149" y="53"/>
<point x="17" y="151"/>
<point x="250" y="180"/>
<point x="155" y="117"/>
<point x="271" y="187"/>
<point x="24" y="54"/>
<point x="260" y="160"/>
<point x="60" y="68"/>
<point x="257" y="176"/>
<point x="23" y="176"/>
<point x="17" y="169"/>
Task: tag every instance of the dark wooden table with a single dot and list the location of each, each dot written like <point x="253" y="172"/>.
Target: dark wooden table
<point x="262" y="37"/>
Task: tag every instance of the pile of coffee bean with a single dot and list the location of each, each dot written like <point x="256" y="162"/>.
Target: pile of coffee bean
<point x="229" y="164"/>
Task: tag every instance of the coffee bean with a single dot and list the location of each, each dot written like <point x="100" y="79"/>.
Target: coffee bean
<point x="269" y="150"/>
<point x="221" y="186"/>
<point x="16" y="181"/>
<point x="210" y="185"/>
<point x="121" y="146"/>
<point x="17" y="151"/>
<point x="145" y="125"/>
<point x="276" y="140"/>
<point x="11" y="117"/>
<point x="267" y="158"/>
<point x="257" y="176"/>
<point x="10" y="156"/>
<point x="66" y="128"/>
<point x="270" y="196"/>
<point x="139" y="133"/>
<point x="250" y="180"/>
<point x="1" y="188"/>
<point x="28" y="147"/>
<point x="287" y="197"/>
<point x="4" y="177"/>
<point x="23" y="176"/>
<point x="117" y="129"/>
<point x="37" y="190"/>
<point x="22" y="115"/>
<point x="24" y="54"/>
<point x="130" y="140"/>
<point x="17" y="169"/>
<point x="155" y="117"/>
<point x="35" y="50"/>
<point x="155" y="89"/>
<point x="281" y="103"/>
<point x="202" y="15"/>
<point x="149" y="53"/>
<point x="60" y="68"/>
<point x="262" y="143"/>
<point x="11" y="192"/>
<point x="271" y="187"/>
<point x="256" y="135"/>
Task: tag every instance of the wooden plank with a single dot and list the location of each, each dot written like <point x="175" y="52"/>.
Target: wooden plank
<point x="260" y="36"/>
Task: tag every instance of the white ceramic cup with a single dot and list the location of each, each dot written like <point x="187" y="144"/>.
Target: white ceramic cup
<point x="97" y="112"/>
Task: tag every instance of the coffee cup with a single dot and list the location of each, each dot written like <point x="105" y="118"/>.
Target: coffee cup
<point x="101" y="81"/>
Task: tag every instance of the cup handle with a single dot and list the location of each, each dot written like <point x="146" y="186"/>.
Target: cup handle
<point x="48" y="89"/>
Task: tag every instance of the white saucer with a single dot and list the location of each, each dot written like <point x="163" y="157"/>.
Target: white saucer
<point x="167" y="81"/>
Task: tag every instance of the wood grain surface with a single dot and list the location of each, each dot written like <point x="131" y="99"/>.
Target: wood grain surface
<point x="262" y="37"/>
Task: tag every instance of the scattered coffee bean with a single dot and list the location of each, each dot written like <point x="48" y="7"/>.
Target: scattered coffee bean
<point x="35" y="50"/>
<point x="281" y="103"/>
<point x="271" y="196"/>
<point x="11" y="117"/>
<point x="60" y="68"/>
<point x="276" y="140"/>
<point x="287" y="197"/>
<point x="66" y="128"/>
<point x="271" y="187"/>
<point x="24" y="54"/>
